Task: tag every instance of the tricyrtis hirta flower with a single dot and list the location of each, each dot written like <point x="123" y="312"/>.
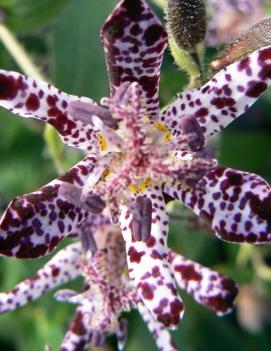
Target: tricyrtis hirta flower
<point x="100" y="258"/>
<point x="231" y="17"/>
<point x="137" y="154"/>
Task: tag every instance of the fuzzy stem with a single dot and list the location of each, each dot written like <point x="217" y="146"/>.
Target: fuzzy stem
<point x="185" y="61"/>
<point x="24" y="61"/>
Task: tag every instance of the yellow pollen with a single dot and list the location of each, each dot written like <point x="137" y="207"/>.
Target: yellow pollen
<point x="126" y="272"/>
<point x="167" y="137"/>
<point x="102" y="142"/>
<point x="161" y="127"/>
<point x="105" y="173"/>
<point x="133" y="188"/>
<point x="141" y="187"/>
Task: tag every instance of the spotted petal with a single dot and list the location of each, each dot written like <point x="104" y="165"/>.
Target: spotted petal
<point x="33" y="224"/>
<point x="236" y="204"/>
<point x="28" y="97"/>
<point x="207" y="287"/>
<point x="81" y="331"/>
<point x="160" y="334"/>
<point x="63" y="267"/>
<point x="134" y="42"/>
<point x="148" y="264"/>
<point x="225" y="97"/>
<point x="78" y="336"/>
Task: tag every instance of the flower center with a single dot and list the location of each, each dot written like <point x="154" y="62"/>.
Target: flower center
<point x="135" y="152"/>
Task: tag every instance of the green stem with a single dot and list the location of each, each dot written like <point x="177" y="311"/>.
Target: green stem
<point x="160" y="3"/>
<point x="248" y="253"/>
<point x="244" y="255"/>
<point x="186" y="62"/>
<point x="262" y="270"/>
<point x="28" y="67"/>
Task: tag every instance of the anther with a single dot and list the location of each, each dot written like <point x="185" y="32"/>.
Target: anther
<point x="190" y="126"/>
<point x="88" y="243"/>
<point x="141" y="219"/>
<point x="89" y="202"/>
<point x="121" y="95"/>
<point x="94" y="203"/>
<point x="85" y="112"/>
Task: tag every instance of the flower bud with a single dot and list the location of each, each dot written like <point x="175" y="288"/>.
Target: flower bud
<point x="186" y="22"/>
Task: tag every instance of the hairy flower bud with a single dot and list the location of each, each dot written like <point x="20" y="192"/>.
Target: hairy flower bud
<point x="254" y="38"/>
<point x="186" y="22"/>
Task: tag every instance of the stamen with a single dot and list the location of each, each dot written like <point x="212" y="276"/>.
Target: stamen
<point x="88" y="243"/>
<point x="122" y="95"/>
<point x="94" y="203"/>
<point x="190" y="126"/>
<point x="109" y="134"/>
<point x="71" y="193"/>
<point x="207" y="154"/>
<point x="98" y="338"/>
<point x="191" y="172"/>
<point x="142" y="219"/>
<point x="89" y="202"/>
<point x="85" y="112"/>
<point x="98" y="172"/>
<point x="178" y="143"/>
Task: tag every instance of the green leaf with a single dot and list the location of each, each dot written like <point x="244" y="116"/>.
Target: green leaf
<point x="77" y="53"/>
<point x="26" y="15"/>
<point x="6" y="3"/>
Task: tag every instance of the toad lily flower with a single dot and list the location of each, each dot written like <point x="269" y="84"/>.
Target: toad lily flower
<point x="230" y="18"/>
<point x="136" y="154"/>
<point x="100" y="258"/>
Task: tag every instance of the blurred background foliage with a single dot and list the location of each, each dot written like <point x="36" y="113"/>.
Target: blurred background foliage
<point x="62" y="37"/>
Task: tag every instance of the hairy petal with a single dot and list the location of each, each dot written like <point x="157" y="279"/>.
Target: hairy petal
<point x="134" y="42"/>
<point x="63" y="267"/>
<point x="35" y="223"/>
<point x="236" y="204"/>
<point x="207" y="287"/>
<point x="28" y="97"/>
<point x="148" y="264"/>
<point x="225" y="97"/>
<point x="160" y="334"/>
